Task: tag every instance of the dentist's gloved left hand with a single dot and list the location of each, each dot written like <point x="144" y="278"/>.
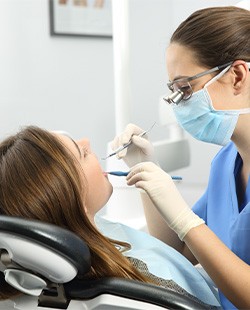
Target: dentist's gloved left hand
<point x="140" y="150"/>
<point x="165" y="196"/>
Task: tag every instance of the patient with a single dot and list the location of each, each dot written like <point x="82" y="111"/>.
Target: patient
<point x="52" y="178"/>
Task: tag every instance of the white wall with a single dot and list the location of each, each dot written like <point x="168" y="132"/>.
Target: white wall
<point x="54" y="82"/>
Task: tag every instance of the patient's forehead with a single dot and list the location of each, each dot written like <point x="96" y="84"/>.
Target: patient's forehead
<point x="68" y="142"/>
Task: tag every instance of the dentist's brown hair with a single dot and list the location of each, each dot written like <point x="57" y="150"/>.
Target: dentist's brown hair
<point x="216" y="35"/>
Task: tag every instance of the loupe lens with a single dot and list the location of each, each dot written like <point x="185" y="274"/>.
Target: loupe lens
<point x="175" y="97"/>
<point x="187" y="90"/>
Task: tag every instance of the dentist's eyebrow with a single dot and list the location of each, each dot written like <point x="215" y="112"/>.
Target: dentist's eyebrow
<point x="178" y="77"/>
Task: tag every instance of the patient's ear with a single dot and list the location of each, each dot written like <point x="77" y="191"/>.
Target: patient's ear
<point x="241" y="76"/>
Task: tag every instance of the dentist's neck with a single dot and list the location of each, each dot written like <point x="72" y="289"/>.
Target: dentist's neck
<point x="241" y="138"/>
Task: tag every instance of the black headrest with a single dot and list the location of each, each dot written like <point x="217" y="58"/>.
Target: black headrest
<point x="57" y="239"/>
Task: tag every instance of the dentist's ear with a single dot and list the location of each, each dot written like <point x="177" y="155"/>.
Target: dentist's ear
<point x="241" y="76"/>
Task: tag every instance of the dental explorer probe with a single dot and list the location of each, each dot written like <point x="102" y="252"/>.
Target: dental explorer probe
<point x="124" y="146"/>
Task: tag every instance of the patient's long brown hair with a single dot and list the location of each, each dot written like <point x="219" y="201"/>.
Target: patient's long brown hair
<point x="39" y="179"/>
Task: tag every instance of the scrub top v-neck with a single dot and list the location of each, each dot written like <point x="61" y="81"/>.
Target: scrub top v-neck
<point x="220" y="209"/>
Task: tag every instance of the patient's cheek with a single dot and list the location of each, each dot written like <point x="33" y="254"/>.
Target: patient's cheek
<point x="99" y="192"/>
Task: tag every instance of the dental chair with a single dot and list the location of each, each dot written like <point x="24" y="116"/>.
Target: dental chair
<point x="46" y="263"/>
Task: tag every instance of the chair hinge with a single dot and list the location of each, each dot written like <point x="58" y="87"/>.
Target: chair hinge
<point x="54" y="297"/>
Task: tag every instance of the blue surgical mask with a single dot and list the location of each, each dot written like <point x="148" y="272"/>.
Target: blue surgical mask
<point x="199" y="118"/>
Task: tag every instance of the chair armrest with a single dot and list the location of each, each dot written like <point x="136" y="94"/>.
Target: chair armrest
<point x="167" y="298"/>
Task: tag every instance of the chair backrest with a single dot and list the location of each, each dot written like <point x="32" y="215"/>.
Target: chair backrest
<point x="47" y="262"/>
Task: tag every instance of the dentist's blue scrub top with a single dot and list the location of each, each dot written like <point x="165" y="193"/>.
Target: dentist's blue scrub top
<point x="220" y="209"/>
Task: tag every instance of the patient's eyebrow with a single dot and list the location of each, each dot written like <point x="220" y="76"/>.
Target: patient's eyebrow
<point x="76" y="145"/>
<point x="66" y="134"/>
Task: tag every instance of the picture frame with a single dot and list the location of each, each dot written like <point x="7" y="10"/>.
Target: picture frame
<point x="90" y="18"/>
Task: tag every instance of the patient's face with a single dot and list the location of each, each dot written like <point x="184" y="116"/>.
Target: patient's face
<point x="99" y="187"/>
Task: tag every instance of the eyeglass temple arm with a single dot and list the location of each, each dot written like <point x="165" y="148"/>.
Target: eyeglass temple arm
<point x="201" y="74"/>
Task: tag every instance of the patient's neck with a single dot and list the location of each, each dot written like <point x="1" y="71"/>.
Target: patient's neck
<point x="92" y="219"/>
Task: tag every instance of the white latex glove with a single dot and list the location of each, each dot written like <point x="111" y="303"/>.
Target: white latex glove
<point x="162" y="191"/>
<point x="140" y="150"/>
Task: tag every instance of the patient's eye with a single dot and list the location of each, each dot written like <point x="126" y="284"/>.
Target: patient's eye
<point x="85" y="151"/>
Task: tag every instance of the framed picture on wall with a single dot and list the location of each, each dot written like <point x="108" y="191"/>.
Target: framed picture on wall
<point x="81" y="18"/>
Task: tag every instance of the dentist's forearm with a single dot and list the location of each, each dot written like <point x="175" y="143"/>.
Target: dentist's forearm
<point x="158" y="228"/>
<point x="228" y="271"/>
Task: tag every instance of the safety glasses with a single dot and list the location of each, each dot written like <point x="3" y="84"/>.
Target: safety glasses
<point x="181" y="88"/>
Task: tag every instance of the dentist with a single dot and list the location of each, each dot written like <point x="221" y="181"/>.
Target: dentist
<point x="208" y="62"/>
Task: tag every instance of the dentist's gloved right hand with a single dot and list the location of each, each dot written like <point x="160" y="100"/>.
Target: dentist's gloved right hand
<point x="140" y="150"/>
<point x="162" y="191"/>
